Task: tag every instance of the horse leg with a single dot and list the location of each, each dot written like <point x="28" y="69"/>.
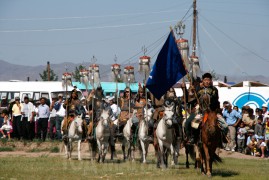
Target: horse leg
<point x="66" y="149"/>
<point x="123" y="151"/>
<point x="133" y="152"/>
<point x="161" y="151"/>
<point x="173" y="154"/>
<point x="103" y="152"/>
<point x="79" y="149"/>
<point x="70" y="149"/>
<point x="187" y="156"/>
<point x="207" y="160"/>
<point x="177" y="148"/>
<point x="99" y="150"/>
<point x="143" y="151"/>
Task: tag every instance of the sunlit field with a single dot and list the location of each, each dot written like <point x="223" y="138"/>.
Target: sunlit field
<point x="57" y="167"/>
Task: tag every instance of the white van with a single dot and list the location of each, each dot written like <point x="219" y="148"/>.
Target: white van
<point x="34" y="90"/>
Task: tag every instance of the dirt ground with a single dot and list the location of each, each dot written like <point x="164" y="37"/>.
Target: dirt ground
<point x="37" y="149"/>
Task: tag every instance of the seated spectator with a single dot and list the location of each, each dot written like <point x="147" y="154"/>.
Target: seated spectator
<point x="258" y="128"/>
<point x="266" y="132"/>
<point x="241" y="133"/>
<point x="6" y="127"/>
<point x="250" y="133"/>
<point x="251" y="146"/>
<point x="261" y="147"/>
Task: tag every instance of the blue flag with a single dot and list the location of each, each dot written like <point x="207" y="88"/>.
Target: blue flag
<point x="167" y="70"/>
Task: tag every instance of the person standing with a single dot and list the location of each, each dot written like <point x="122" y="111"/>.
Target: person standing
<point x="16" y="118"/>
<point x="43" y="114"/>
<point x="60" y="113"/>
<point x="52" y="118"/>
<point x="232" y="118"/>
<point x="28" y="111"/>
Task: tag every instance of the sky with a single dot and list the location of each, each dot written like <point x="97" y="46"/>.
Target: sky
<point x="232" y="34"/>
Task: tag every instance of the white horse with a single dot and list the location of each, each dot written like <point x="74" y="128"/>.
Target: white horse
<point x="143" y="132"/>
<point x="74" y="134"/>
<point x="103" y="133"/>
<point x="164" y="133"/>
<point x="127" y="139"/>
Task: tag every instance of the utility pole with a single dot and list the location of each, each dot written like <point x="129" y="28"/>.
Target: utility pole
<point x="48" y="70"/>
<point x="194" y="28"/>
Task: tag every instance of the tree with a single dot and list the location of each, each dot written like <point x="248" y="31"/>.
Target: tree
<point x="44" y="75"/>
<point x="76" y="74"/>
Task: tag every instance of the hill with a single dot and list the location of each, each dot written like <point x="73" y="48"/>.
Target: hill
<point x="10" y="71"/>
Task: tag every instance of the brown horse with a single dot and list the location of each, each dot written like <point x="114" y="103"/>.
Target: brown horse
<point x="210" y="137"/>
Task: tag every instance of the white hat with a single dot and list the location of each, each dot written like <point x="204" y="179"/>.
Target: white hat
<point x="60" y="95"/>
<point x="265" y="105"/>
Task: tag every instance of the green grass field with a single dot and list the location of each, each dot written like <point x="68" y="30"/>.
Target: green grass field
<point x="46" y="167"/>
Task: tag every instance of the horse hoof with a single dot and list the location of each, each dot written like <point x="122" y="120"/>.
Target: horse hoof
<point x="209" y="176"/>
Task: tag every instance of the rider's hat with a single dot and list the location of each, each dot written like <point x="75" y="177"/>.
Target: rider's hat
<point x="207" y="75"/>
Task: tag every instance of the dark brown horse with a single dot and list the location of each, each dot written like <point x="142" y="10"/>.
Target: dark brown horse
<point x="210" y="137"/>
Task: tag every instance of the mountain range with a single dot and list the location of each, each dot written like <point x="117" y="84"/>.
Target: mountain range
<point x="10" y="71"/>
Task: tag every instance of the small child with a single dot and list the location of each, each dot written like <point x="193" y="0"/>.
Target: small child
<point x="252" y="145"/>
<point x="241" y="132"/>
<point x="6" y="124"/>
<point x="261" y="146"/>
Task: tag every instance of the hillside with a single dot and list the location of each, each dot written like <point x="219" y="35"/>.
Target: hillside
<point x="10" y="71"/>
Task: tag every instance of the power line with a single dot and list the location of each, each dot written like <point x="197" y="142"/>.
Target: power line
<point x="236" y="42"/>
<point x="87" y="17"/>
<point x="86" y="28"/>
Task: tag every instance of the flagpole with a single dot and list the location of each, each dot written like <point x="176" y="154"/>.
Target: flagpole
<point x="188" y="76"/>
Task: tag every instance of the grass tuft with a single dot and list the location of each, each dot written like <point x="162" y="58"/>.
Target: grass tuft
<point x="55" y="149"/>
<point x="2" y="149"/>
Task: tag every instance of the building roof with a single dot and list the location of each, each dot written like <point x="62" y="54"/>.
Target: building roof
<point x="108" y="86"/>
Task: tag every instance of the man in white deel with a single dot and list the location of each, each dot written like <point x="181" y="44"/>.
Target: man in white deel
<point x="60" y="113"/>
<point x="28" y="124"/>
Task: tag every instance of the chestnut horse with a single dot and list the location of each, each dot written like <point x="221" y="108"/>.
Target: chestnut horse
<point x="210" y="137"/>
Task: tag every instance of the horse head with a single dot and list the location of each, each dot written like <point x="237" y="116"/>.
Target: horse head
<point x="105" y="117"/>
<point x="78" y="124"/>
<point x="148" y="113"/>
<point x="169" y="111"/>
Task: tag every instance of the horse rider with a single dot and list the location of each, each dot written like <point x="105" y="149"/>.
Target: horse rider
<point x="204" y="90"/>
<point x="178" y="117"/>
<point x="95" y="101"/>
<point x="140" y="103"/>
<point x="73" y="108"/>
<point x="157" y="104"/>
<point x="126" y="104"/>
